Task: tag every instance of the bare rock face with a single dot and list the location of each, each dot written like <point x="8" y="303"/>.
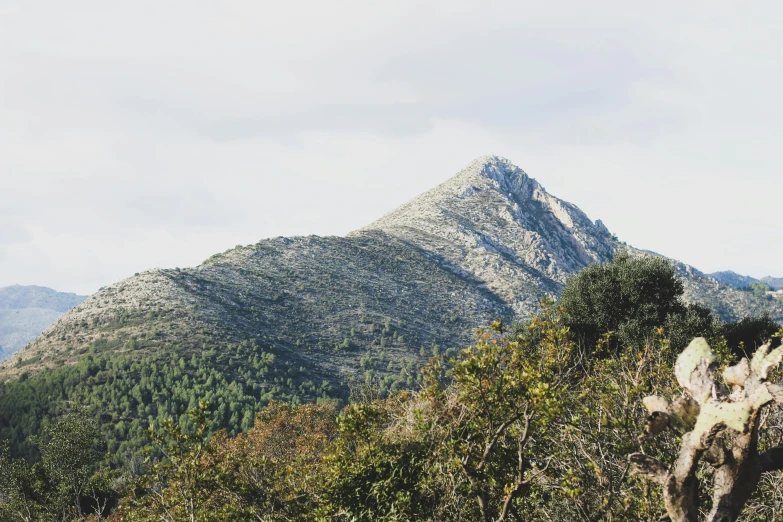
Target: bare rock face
<point x="500" y="226"/>
<point x="497" y="224"/>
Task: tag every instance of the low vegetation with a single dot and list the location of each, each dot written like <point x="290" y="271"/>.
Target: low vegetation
<point x="534" y="420"/>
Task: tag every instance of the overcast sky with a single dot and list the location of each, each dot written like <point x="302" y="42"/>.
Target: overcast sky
<point x="156" y="133"/>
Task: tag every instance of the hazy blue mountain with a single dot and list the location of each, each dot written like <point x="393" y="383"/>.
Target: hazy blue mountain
<point x="741" y="281"/>
<point x="26" y="311"/>
<point x="774" y="282"/>
<point x="734" y="279"/>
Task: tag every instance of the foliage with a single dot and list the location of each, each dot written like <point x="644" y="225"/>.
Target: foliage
<point x="66" y="483"/>
<point x="531" y="422"/>
<point x="129" y="392"/>
<point x="267" y="473"/>
<point x="628" y="298"/>
<point x="749" y="333"/>
<point x="275" y="469"/>
<point x="759" y="287"/>
<point x="463" y="447"/>
<point x="597" y="431"/>
<point x="371" y="475"/>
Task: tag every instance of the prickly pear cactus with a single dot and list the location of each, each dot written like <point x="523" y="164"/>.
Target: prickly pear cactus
<point x="697" y="353"/>
<point x="707" y="409"/>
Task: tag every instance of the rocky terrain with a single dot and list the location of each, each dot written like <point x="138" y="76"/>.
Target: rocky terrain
<point x="495" y="223"/>
<point x="729" y="303"/>
<point x="489" y="242"/>
<point x="26" y="311"/>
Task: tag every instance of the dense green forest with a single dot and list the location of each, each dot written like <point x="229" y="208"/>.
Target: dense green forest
<point x="129" y="392"/>
<point x="534" y="421"/>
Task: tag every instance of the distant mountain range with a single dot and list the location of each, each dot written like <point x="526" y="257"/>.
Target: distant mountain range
<point x="26" y="311"/>
<point x="741" y="281"/>
<point x="489" y="242"/>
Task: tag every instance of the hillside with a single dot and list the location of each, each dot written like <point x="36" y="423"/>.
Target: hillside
<point x="26" y="311"/>
<point x="295" y="319"/>
<point x="729" y="303"/>
<point x="317" y="299"/>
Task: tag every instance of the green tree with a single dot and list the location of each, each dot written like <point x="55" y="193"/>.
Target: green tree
<point x="64" y="481"/>
<point x="758" y="287"/>
<point x="70" y="453"/>
<point x="747" y="334"/>
<point x="179" y="485"/>
<point x="465" y="447"/>
<point x="19" y="490"/>
<point x="628" y="297"/>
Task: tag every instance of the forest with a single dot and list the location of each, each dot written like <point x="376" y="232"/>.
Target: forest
<point x="562" y="415"/>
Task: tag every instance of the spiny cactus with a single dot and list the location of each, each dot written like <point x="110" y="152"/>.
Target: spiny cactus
<point x="719" y="425"/>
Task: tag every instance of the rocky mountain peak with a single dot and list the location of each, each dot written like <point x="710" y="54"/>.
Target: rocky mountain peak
<point x="497" y="225"/>
<point x="498" y="173"/>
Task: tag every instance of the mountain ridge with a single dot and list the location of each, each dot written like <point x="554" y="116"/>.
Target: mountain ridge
<point x="731" y="278"/>
<point x="489" y="241"/>
<point x="774" y="282"/>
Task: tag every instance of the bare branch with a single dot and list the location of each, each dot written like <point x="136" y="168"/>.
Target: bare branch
<point x="649" y="467"/>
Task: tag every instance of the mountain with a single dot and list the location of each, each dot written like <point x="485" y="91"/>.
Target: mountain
<point x="499" y="226"/>
<point x="296" y="318"/>
<point x="743" y="282"/>
<point x="774" y="282"/>
<point x="488" y="242"/>
<point x="728" y="302"/>
<point x="26" y="311"/>
<point x="733" y="279"/>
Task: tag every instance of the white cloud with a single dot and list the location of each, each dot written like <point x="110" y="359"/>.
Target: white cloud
<point x="146" y="134"/>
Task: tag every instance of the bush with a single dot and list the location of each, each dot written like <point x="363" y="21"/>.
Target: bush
<point x="628" y="297"/>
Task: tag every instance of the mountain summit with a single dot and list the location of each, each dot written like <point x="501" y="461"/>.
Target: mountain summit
<point x="497" y="224"/>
